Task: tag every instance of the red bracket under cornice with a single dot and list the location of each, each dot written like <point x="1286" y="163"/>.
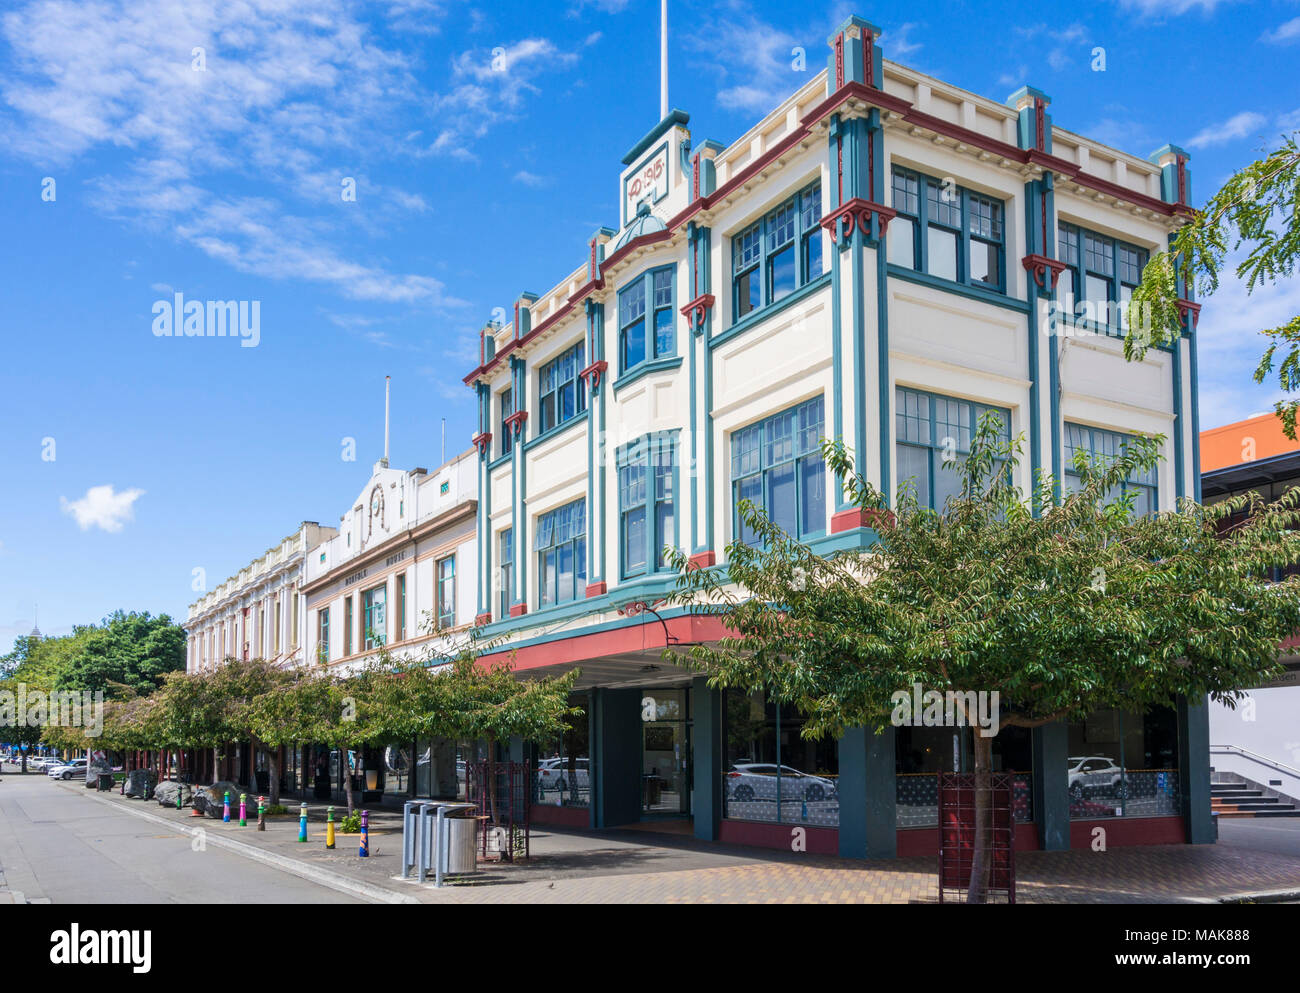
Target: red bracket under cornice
<point x="515" y="422"/>
<point x="483" y="442"/>
<point x="857" y="211"/>
<point x="697" y="310"/>
<point x="1186" y="307"/>
<point x="1039" y="265"/>
<point x="593" y="373"/>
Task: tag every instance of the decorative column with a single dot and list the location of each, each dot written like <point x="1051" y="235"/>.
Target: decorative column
<point x="1050" y="744"/>
<point x="515" y="423"/>
<point x="483" y="443"/>
<point x="598" y="453"/>
<point x="699" y="329"/>
<point x="868" y="795"/>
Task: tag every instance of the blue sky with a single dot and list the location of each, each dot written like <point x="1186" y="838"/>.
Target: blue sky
<point x="472" y="185"/>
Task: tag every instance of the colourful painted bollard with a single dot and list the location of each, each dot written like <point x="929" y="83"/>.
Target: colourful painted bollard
<point x="243" y="810"/>
<point x="261" y="813"/>
<point x="178" y="796"/>
<point x="365" y="835"/>
<point x="225" y="810"/>
<point x="302" y="823"/>
<point x="329" y="828"/>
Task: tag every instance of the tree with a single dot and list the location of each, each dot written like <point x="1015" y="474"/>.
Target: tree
<point x="1259" y="208"/>
<point x="1083" y="608"/>
<point x="133" y="649"/>
<point x="302" y="709"/>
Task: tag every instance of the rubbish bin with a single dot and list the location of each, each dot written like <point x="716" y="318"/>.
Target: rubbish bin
<point x="461" y="842"/>
<point x="105" y="782"/>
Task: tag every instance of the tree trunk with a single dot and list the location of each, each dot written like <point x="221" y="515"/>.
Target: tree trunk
<point x="981" y="857"/>
<point x="273" y="756"/>
<point x="346" y="775"/>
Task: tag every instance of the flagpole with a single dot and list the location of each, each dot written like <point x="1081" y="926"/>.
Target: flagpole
<point x="663" y="59"/>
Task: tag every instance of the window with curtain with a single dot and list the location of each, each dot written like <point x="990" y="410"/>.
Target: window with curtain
<point x="562" y="393"/>
<point x="561" y="548"/>
<point x="646" y="481"/>
<point x="777" y="465"/>
<point x="1101" y="447"/>
<point x="932" y="437"/>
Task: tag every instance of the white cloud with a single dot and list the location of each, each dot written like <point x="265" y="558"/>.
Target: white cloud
<point x="1284" y="34"/>
<point x="897" y="43"/>
<point x="1238" y="126"/>
<point x="103" y="508"/>
<point x="756" y="68"/>
<point x="530" y="179"/>
<point x="1157" y="8"/>
<point x="1289" y="121"/>
<point x="1064" y="40"/>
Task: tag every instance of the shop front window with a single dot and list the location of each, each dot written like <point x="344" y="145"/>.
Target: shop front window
<point x="561" y="774"/>
<point x="772" y="773"/>
<point x="921" y="753"/>
<point x="1123" y="763"/>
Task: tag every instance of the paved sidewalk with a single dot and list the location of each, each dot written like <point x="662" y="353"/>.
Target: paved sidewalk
<point x="631" y="866"/>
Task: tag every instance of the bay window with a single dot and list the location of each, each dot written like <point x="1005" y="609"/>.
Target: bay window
<point x="645" y="319"/>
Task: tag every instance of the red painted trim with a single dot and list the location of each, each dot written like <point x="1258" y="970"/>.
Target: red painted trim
<point x="685" y="629"/>
<point x="1130" y="831"/>
<point x="1186" y="307"/>
<point x="482" y="441"/>
<point x="593" y="373"/>
<point x="820" y="840"/>
<point x="518" y="609"/>
<point x="515" y="422"/>
<point x="574" y="817"/>
<point x="698" y="309"/>
<point x="481" y="619"/>
<point x="860" y="517"/>
<point x="1038" y="265"/>
<point x="860" y="212"/>
<point x="702" y="560"/>
<point x="596" y="589"/>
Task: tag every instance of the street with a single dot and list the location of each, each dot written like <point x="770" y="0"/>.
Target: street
<point x="56" y="846"/>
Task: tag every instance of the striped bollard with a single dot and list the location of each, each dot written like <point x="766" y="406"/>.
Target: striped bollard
<point x="225" y="810"/>
<point x="329" y="828"/>
<point x="302" y="823"/>
<point x="243" y="810"/>
<point x="261" y="813"/>
<point x="365" y="835"/>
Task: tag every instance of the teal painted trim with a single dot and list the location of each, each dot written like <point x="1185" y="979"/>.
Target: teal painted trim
<point x="693" y="240"/>
<point x="500" y="460"/>
<point x="674" y="117"/>
<point x="650" y="587"/>
<point x="857" y="290"/>
<point x="1033" y="242"/>
<point x="961" y="289"/>
<point x="1054" y="399"/>
<point x="837" y="370"/>
<point x="1180" y="488"/>
<point x="758" y="316"/>
<point x="598" y="526"/>
<point x="886" y="393"/>
<point x="652" y="444"/>
<point x="1196" y="418"/>
<point x="559" y="429"/>
<point x="708" y="433"/>
<point x="644" y="369"/>
<point x="518" y="478"/>
<point x="855" y="539"/>
<point x="591" y="496"/>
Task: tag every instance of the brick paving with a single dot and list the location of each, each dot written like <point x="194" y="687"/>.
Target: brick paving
<point x="634" y="866"/>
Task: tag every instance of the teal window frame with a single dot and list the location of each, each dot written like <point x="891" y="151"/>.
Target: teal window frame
<point x="561" y="533"/>
<point x="401" y="606"/>
<point x="555" y="379"/>
<point x="760" y="453"/>
<point x="446" y="591"/>
<point x="657" y="305"/>
<point x="922" y="421"/>
<point x="323" y="635"/>
<point x="789" y="226"/>
<point x="973" y="218"/>
<point x="368" y="619"/>
<point x="647" y="490"/>
<point x="506" y="405"/>
<point x="1102" y="445"/>
<point x="1118" y="263"/>
<point x="505" y="571"/>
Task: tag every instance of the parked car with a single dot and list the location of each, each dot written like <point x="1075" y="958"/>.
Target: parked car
<point x="1091" y="775"/>
<point x="758" y="781"/>
<point x="554" y="774"/>
<point x="66" y="770"/>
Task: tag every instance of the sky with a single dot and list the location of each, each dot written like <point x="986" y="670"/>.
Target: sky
<point x="379" y="178"/>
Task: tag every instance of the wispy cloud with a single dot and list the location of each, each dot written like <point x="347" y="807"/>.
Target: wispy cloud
<point x="530" y="179"/>
<point x="898" y="43"/>
<point x="1061" y="42"/>
<point x="753" y="60"/>
<point x="102" y="508"/>
<point x="1160" y="8"/>
<point x="1283" y="34"/>
<point x="1241" y="125"/>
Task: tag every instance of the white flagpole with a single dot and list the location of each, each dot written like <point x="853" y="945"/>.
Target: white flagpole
<point x="663" y="59"/>
<point x="387" y="381"/>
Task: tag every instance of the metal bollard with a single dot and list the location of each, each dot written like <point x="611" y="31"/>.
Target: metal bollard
<point x="225" y="810"/>
<point x="243" y="810"/>
<point x="364" y="851"/>
<point x="261" y="813"/>
<point x="329" y="828"/>
<point x="409" y="836"/>
<point x="302" y="823"/>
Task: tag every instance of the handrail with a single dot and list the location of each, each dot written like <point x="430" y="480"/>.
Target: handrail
<point x="1255" y="756"/>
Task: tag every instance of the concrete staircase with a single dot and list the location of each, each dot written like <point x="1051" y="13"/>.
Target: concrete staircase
<point x="1242" y="800"/>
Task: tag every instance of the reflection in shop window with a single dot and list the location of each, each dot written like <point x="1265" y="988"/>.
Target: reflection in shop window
<point x="772" y="773"/>
<point x="1123" y="763"/>
<point x="921" y="753"/>
<point x="561" y="775"/>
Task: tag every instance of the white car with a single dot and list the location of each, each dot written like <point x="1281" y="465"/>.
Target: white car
<point x="748" y="781"/>
<point x="1095" y="774"/>
<point x="66" y="770"/>
<point x="553" y="774"/>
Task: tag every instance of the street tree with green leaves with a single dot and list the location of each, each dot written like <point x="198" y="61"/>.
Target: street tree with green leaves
<point x="1083" y="608"/>
<point x="1256" y="213"/>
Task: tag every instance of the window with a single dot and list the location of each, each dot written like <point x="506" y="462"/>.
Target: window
<point x="275" y="635"/>
<point x="933" y="433"/>
<point x="777" y="465"/>
<point x="643" y="336"/>
<point x="1099" y="278"/>
<point x="374" y="617"/>
<point x="506" y="571"/>
<point x="562" y="392"/>
<point x="773" y="257"/>
<point x="447" y="592"/>
<point x="401" y="607"/>
<point x="1122" y="763"/>
<point x="950" y="232"/>
<point x="1100" y="448"/>
<point x="347" y="626"/>
<point x="561" y="546"/>
<point x="646" y="477"/>
<point x="507" y="405"/>
<point x="322" y="635"/>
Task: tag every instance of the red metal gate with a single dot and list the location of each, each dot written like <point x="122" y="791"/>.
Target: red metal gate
<point x="957" y="834"/>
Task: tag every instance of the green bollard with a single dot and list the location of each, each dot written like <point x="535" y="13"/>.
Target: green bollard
<point x="261" y="813"/>
<point x="243" y="810"/>
<point x="302" y="823"/>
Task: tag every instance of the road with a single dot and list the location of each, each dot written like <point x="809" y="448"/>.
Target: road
<point x="1280" y="835"/>
<point x="59" y="846"/>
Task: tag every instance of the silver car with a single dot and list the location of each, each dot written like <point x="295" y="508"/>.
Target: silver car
<point x="66" y="770"/>
<point x="758" y="781"/>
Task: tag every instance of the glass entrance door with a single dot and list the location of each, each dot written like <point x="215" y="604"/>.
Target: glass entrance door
<point x="665" y="753"/>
